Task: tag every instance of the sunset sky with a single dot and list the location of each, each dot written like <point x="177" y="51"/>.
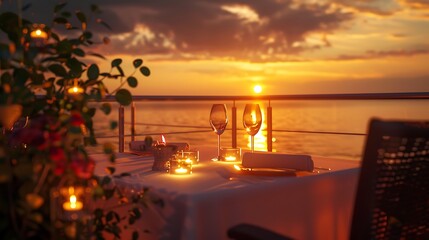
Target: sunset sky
<point x="226" y="47"/>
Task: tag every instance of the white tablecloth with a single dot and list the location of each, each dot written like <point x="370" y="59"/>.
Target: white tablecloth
<point x="214" y="197"/>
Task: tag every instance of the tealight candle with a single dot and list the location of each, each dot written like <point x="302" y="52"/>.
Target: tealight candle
<point x="180" y="165"/>
<point x="230" y="154"/>
<point x="192" y="155"/>
<point x="72" y="203"/>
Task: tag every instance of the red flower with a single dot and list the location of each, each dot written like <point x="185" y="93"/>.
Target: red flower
<point x="76" y="119"/>
<point x="58" y="157"/>
<point x="82" y="167"/>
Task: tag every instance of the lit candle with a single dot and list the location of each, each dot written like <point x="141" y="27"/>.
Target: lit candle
<point x="180" y="166"/>
<point x="181" y="170"/>
<point x="193" y="156"/>
<point x="73" y="204"/>
<point x="39" y="34"/>
<point x="76" y="88"/>
<point x="230" y="158"/>
<point x="230" y="154"/>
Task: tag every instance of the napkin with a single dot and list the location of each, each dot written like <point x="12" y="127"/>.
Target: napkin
<point x="138" y="146"/>
<point x="277" y="160"/>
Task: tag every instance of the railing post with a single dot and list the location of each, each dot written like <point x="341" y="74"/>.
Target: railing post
<point x="234" y="125"/>
<point x="269" y="127"/>
<point x="121" y="124"/>
<point x="133" y="121"/>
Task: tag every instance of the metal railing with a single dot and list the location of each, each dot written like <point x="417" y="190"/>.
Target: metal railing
<point x="269" y="98"/>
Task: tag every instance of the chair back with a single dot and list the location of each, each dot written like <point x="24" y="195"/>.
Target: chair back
<point x="392" y="198"/>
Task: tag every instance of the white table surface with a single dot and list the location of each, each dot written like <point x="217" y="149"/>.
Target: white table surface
<point x="214" y="197"/>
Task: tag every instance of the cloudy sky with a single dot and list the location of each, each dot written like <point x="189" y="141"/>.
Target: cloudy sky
<point x="225" y="47"/>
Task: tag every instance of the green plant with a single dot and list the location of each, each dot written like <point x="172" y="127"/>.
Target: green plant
<point x="51" y="85"/>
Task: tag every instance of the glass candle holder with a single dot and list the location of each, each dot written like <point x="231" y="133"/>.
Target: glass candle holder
<point x="180" y="165"/>
<point x="230" y="154"/>
<point x="72" y="198"/>
<point x="193" y="155"/>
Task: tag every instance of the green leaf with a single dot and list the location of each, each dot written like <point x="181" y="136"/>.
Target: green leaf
<point x="109" y="193"/>
<point x="123" y="96"/>
<point x="64" y="47"/>
<point x="60" y="6"/>
<point x="94" y="8"/>
<point x="27" y="6"/>
<point x="93" y="72"/>
<point x="137" y="63"/>
<point x="91" y="112"/>
<point x="79" y="52"/>
<point x="61" y="20"/>
<point x="97" y="55"/>
<point x="131" y="220"/>
<point x="145" y="71"/>
<point x="136" y="212"/>
<point x="125" y="175"/>
<point x="121" y="72"/>
<point x="135" y="235"/>
<point x="66" y="14"/>
<point x="75" y="67"/>
<point x="106" y="180"/>
<point x="104" y="24"/>
<point x="20" y="76"/>
<point x="81" y="16"/>
<point x="109" y="216"/>
<point x="113" y="125"/>
<point x="58" y="70"/>
<point x="132" y="81"/>
<point x="116" y="62"/>
<point x="106" y="108"/>
<point x="110" y="170"/>
<point x="55" y="36"/>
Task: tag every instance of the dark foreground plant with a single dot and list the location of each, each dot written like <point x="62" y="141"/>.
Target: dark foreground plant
<point x="49" y="89"/>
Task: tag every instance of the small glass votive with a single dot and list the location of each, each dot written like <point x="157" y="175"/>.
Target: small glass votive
<point x="230" y="154"/>
<point x="193" y="155"/>
<point x="179" y="165"/>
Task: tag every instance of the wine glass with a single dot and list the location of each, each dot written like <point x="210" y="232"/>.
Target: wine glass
<point x="252" y="121"/>
<point x="218" y="122"/>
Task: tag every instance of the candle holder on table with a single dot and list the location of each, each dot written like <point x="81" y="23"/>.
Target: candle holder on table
<point x="230" y="154"/>
<point x="69" y="209"/>
<point x="193" y="155"/>
<point x="162" y="154"/>
<point x="180" y="165"/>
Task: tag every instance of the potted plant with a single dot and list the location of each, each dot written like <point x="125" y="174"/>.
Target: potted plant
<point x="49" y="84"/>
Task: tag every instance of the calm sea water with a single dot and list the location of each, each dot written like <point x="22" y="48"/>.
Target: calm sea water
<point x="175" y="119"/>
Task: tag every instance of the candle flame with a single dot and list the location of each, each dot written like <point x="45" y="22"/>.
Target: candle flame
<point x="73" y="201"/>
<point x="76" y="88"/>
<point x="73" y="204"/>
<point x="181" y="170"/>
<point x="163" y="139"/>
<point x="38" y="34"/>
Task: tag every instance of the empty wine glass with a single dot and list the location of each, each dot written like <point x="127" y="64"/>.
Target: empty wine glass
<point x="218" y="122"/>
<point x="252" y="121"/>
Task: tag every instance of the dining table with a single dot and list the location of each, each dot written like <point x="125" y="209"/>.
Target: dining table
<point x="216" y="196"/>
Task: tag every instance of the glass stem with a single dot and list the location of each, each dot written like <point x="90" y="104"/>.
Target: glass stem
<point x="252" y="142"/>
<point x="218" y="147"/>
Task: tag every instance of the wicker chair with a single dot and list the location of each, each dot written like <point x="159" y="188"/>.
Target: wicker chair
<point x="392" y="199"/>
